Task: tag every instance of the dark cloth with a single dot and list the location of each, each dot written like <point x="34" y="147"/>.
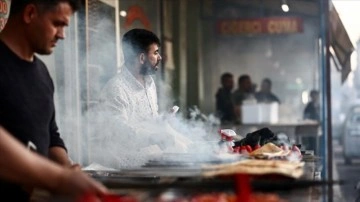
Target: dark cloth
<point x="266" y="97"/>
<point x="27" y="108"/>
<point x="239" y="96"/>
<point x="224" y="106"/>
<point x="312" y="111"/>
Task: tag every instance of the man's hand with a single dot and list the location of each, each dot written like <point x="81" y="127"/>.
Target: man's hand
<point x="60" y="156"/>
<point x="74" y="182"/>
<point x="76" y="166"/>
<point x="28" y="169"/>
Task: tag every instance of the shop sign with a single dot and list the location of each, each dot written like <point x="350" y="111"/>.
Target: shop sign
<point x="4" y="13"/>
<point x="137" y="13"/>
<point x="272" y="25"/>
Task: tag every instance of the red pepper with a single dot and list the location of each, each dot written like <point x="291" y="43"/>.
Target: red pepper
<point x="248" y="148"/>
<point x="257" y="146"/>
<point x="236" y="150"/>
<point x="243" y="150"/>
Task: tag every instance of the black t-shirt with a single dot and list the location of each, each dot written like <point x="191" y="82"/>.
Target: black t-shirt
<point x="225" y="106"/>
<point x="312" y="111"/>
<point x="26" y="106"/>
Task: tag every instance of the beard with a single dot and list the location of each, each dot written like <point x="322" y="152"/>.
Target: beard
<point x="148" y="69"/>
<point x="44" y="51"/>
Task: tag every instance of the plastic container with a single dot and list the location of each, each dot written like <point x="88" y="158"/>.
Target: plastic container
<point x="260" y="113"/>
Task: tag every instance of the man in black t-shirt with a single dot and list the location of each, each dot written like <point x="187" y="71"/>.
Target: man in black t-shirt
<point x="312" y="109"/>
<point x="27" y="109"/>
<point x="225" y="108"/>
<point x="245" y="91"/>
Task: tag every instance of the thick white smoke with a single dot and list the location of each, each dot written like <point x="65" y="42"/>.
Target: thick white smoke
<point x="99" y="136"/>
<point x="118" y="144"/>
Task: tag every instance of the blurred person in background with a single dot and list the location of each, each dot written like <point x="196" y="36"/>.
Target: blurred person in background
<point x="224" y="103"/>
<point x="312" y="112"/>
<point x="27" y="109"/>
<point x="244" y="92"/>
<point x="312" y="109"/>
<point x="265" y="95"/>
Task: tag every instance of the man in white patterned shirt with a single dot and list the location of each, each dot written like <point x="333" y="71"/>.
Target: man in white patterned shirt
<point x="132" y="122"/>
<point x="128" y="107"/>
<point x="132" y="92"/>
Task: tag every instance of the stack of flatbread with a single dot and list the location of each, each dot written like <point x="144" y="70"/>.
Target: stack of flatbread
<point x="269" y="150"/>
<point x="256" y="167"/>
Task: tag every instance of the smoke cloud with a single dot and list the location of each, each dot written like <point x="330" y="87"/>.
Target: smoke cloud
<point x="94" y="134"/>
<point x="99" y="135"/>
<point x="118" y="144"/>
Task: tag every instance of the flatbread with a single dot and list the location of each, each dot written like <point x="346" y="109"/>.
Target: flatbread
<point x="293" y="173"/>
<point x="269" y="150"/>
<point x="257" y="163"/>
<point x="273" y="163"/>
<point x="256" y="167"/>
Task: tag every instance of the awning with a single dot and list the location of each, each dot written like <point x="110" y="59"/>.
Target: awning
<point x="341" y="43"/>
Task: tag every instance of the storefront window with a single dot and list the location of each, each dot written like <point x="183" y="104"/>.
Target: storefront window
<point x="282" y="57"/>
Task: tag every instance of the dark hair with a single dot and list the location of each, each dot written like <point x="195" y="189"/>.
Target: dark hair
<point x="225" y="76"/>
<point x="18" y="5"/>
<point x="242" y="78"/>
<point x="314" y="93"/>
<point x="137" y="41"/>
<point x="268" y="81"/>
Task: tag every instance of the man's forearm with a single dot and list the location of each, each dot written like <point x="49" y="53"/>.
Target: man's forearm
<point x="19" y="165"/>
<point x="60" y="156"/>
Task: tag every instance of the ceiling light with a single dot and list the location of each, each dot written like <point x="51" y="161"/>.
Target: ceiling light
<point x="123" y="13"/>
<point x="285" y="6"/>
